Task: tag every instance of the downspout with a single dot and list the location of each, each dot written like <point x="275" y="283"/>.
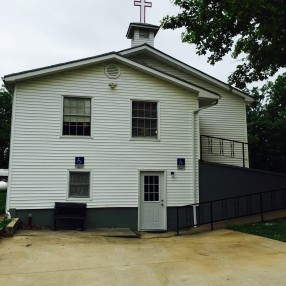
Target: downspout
<point x="195" y="122"/>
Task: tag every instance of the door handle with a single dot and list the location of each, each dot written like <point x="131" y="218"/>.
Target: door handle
<point x="162" y="202"/>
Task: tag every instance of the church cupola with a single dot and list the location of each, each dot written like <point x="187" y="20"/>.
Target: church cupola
<point x="142" y="33"/>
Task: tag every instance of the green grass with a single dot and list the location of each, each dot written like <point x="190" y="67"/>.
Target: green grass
<point x="2" y="202"/>
<point x="275" y="229"/>
<point x="4" y="222"/>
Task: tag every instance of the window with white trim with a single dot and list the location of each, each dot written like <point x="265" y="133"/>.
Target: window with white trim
<point x="79" y="184"/>
<point x="144" y="119"/>
<point x="76" y="116"/>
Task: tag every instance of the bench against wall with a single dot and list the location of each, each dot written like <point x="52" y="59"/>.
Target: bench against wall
<point x="69" y="211"/>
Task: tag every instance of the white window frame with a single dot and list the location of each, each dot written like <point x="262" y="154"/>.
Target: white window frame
<point x="62" y="117"/>
<point x="68" y="185"/>
<point x="158" y="121"/>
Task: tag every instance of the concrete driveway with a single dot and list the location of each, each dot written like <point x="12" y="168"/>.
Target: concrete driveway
<point x="221" y="257"/>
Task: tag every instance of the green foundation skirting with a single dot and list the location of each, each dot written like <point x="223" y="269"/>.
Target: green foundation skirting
<point x="95" y="218"/>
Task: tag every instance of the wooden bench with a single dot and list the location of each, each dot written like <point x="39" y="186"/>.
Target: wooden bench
<point x="69" y="211"/>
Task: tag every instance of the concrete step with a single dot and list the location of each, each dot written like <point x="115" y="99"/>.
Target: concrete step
<point x="12" y="227"/>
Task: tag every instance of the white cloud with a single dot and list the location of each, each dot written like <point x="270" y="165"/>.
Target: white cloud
<point x="36" y="33"/>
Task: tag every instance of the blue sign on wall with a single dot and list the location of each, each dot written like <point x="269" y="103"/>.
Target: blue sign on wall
<point x="79" y="162"/>
<point x="181" y="163"/>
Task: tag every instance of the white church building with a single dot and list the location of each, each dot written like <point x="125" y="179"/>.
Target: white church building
<point x="122" y="132"/>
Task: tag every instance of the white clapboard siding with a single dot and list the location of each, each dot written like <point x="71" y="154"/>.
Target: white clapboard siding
<point x="42" y="158"/>
<point x="138" y="41"/>
<point x="225" y="120"/>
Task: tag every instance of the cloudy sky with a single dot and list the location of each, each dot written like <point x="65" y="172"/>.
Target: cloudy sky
<point x="37" y="33"/>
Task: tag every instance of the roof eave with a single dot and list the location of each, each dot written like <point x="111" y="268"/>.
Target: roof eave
<point x="141" y="25"/>
<point x="191" y="69"/>
<point x="166" y="77"/>
<point x="10" y="80"/>
<point x="9" y="86"/>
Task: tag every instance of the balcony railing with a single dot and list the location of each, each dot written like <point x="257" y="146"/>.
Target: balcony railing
<point x="235" y="151"/>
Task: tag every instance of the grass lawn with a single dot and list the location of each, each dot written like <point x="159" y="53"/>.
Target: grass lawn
<point x="2" y="202"/>
<point x="4" y="222"/>
<point x="275" y="229"/>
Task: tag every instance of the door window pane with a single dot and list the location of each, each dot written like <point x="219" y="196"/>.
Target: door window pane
<point x="151" y="188"/>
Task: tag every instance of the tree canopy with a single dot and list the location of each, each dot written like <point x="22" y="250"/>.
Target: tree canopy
<point x="267" y="126"/>
<point x="254" y="31"/>
<point x="5" y="126"/>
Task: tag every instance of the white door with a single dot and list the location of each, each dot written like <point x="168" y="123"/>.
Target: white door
<point x="152" y="201"/>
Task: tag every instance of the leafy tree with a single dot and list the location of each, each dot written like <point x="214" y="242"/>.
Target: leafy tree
<point x="267" y="126"/>
<point x="254" y="30"/>
<point x="5" y="126"/>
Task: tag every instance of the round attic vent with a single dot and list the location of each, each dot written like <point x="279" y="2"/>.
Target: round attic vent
<point x="112" y="71"/>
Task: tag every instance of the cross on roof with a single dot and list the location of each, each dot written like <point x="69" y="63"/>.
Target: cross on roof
<point x="143" y="6"/>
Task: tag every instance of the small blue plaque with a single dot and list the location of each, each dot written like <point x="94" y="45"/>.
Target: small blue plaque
<point x="181" y="163"/>
<point x="79" y="162"/>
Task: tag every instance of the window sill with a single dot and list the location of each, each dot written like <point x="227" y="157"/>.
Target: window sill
<point x="145" y="139"/>
<point x="79" y="199"/>
<point x="75" y="137"/>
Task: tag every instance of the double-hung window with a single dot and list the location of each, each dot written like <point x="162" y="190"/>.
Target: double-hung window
<point x="144" y="119"/>
<point x="79" y="184"/>
<point x="77" y="116"/>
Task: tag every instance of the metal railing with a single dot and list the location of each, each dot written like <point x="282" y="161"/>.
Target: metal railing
<point x="214" y="146"/>
<point x="231" y="208"/>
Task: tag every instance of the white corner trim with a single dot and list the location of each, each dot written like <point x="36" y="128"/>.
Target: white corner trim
<point x="11" y="151"/>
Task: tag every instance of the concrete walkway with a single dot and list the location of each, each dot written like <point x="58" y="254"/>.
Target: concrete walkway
<point x="221" y="257"/>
